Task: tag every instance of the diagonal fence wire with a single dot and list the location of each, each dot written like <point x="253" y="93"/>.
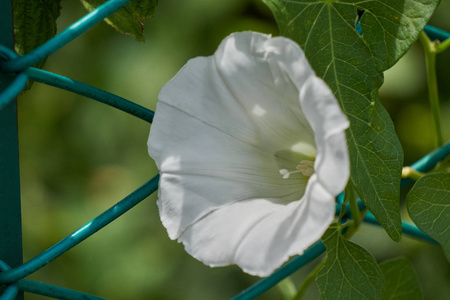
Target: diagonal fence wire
<point x="12" y="63"/>
<point x="90" y="92"/>
<point x="54" y="44"/>
<point x="81" y="234"/>
<point x="52" y="291"/>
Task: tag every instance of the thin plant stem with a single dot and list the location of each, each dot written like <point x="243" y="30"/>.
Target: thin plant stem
<point x="356" y="214"/>
<point x="408" y="172"/>
<point x="343" y="208"/>
<point x="441" y="47"/>
<point x="430" y="60"/>
<point x="308" y="281"/>
<point x="287" y="288"/>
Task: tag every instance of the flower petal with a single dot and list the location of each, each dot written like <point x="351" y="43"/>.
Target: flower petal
<point x="245" y="97"/>
<point x="217" y="169"/>
<point x="259" y="235"/>
<point x="332" y="164"/>
<point x="224" y="127"/>
<point x="244" y="90"/>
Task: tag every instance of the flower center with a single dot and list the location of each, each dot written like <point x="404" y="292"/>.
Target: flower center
<point x="306" y="167"/>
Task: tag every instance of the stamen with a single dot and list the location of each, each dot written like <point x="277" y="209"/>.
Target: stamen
<point x="285" y="173"/>
<point x="306" y="167"/>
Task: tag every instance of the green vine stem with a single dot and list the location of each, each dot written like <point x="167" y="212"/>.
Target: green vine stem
<point x="308" y="280"/>
<point x="430" y="49"/>
<point x="352" y="199"/>
<point x="287" y="288"/>
<point x="441" y="47"/>
<point x="356" y="214"/>
<point x="408" y="172"/>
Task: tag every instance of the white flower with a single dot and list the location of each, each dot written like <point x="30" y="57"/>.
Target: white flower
<point x="251" y="148"/>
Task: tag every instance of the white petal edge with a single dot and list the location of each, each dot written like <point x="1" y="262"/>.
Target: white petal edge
<point x="258" y="235"/>
<point x="329" y="123"/>
<point x="332" y="164"/>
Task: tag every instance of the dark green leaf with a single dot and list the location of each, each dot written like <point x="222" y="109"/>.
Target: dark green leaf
<point x="391" y="27"/>
<point x="143" y="9"/>
<point x="350" y="272"/>
<point x="127" y="20"/>
<point x="400" y="281"/>
<point x="34" y="24"/>
<point x="428" y="205"/>
<point x="351" y="65"/>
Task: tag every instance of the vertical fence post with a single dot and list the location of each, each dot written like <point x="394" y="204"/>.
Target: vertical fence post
<point x="10" y="211"/>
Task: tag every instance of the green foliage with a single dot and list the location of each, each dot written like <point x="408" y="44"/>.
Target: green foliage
<point x="352" y="66"/>
<point x="143" y="9"/>
<point x="391" y="27"/>
<point x="127" y="20"/>
<point x="34" y="24"/>
<point x="350" y="272"/>
<point x="400" y="281"/>
<point x="428" y="205"/>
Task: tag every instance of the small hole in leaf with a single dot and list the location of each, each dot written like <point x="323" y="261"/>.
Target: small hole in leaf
<point x="358" y="27"/>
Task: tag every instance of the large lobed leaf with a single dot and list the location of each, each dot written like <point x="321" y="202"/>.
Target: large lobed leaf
<point x="352" y="66"/>
<point x="428" y="205"/>
<point x="350" y="272"/>
<point x="127" y="20"/>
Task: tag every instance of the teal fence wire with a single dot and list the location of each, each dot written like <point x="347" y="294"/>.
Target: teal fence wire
<point x="15" y="71"/>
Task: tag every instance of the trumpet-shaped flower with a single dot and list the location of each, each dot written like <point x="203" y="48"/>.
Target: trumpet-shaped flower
<point x="251" y="149"/>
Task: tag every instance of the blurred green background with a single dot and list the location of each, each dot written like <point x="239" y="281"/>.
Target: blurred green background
<point x="79" y="157"/>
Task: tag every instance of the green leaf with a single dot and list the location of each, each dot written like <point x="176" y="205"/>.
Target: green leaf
<point x="351" y="65"/>
<point x="428" y="205"/>
<point x="127" y="20"/>
<point x="143" y="9"/>
<point x="34" y="24"/>
<point x="400" y="281"/>
<point x="350" y="272"/>
<point x="391" y="27"/>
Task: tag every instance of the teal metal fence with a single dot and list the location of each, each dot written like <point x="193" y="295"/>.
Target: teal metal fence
<point x="15" y="71"/>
